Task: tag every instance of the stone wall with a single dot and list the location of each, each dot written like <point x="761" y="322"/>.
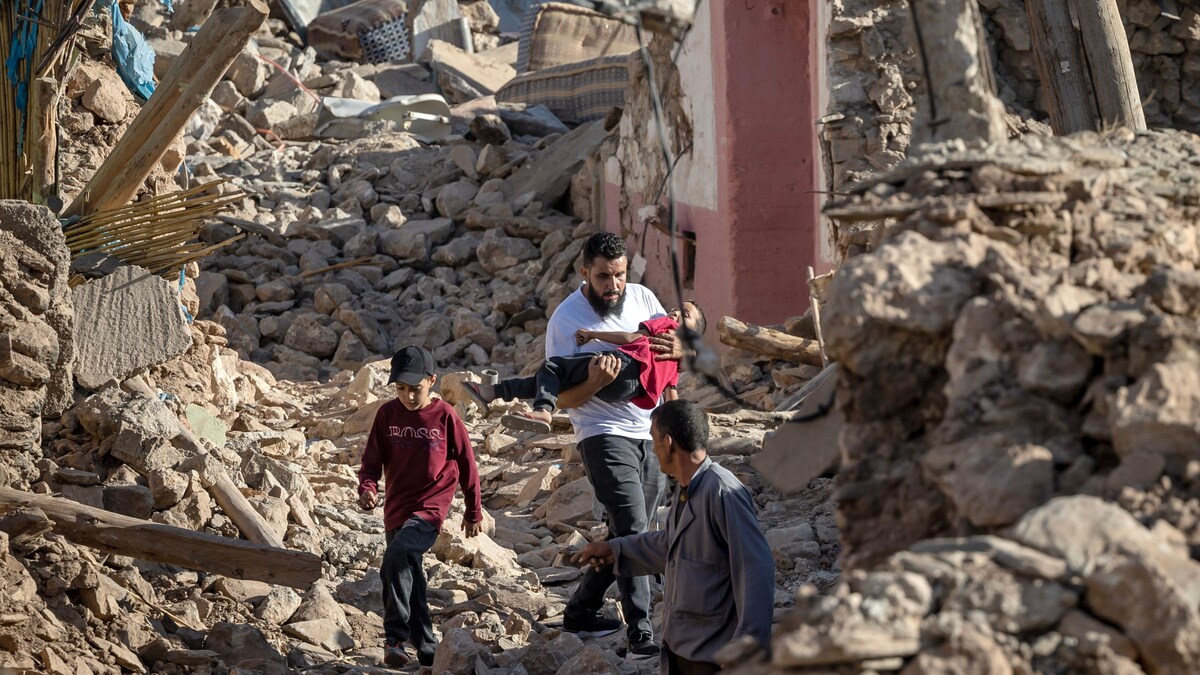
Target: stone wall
<point x="36" y="352"/>
<point x="875" y="75"/>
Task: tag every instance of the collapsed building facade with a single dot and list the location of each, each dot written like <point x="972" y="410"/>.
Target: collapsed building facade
<point x="1014" y="328"/>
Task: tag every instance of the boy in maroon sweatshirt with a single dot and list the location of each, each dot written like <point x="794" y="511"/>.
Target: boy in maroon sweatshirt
<point x="422" y="448"/>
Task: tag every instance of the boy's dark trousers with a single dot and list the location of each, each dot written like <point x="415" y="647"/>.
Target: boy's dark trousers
<point x="563" y="372"/>
<point x="405" y="607"/>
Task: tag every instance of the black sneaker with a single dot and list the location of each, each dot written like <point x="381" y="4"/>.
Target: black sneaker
<point x="394" y="655"/>
<point x="590" y="625"/>
<point x="642" y="646"/>
<point x="425" y="658"/>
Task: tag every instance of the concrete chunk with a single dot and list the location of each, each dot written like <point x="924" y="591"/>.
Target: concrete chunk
<point x="485" y="75"/>
<point x="124" y="322"/>
<point x="549" y="176"/>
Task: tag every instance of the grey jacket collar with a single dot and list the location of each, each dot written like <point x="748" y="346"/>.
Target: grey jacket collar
<point x="688" y="515"/>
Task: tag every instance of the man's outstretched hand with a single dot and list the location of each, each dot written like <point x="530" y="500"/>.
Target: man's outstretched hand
<point x="472" y="529"/>
<point x="367" y="501"/>
<point x="597" y="554"/>
<point x="667" y="347"/>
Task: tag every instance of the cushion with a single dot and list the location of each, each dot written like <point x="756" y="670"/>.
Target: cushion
<point x="366" y="31"/>
<point x="557" y="33"/>
<point x="576" y="92"/>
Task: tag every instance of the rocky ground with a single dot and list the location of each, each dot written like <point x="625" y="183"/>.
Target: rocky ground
<point x="353" y="248"/>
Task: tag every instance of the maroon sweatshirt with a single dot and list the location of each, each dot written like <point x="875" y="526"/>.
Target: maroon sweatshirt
<point x="422" y="454"/>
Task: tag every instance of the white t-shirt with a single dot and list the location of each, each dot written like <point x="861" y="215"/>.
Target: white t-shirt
<point x="599" y="417"/>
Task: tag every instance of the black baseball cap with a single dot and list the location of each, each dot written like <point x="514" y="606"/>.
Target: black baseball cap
<point x="411" y="365"/>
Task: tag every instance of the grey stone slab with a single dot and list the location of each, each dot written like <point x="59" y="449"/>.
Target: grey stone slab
<point x="125" y="322"/>
<point x="549" y="176"/>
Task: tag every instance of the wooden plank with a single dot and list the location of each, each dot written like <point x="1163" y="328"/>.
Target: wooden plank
<point x="186" y="86"/>
<point x="768" y="342"/>
<point x="156" y="542"/>
<point x="1061" y="67"/>
<point x="1111" y="63"/>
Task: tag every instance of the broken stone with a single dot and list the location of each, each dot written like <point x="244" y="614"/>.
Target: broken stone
<point x="483" y="75"/>
<point x="279" y="605"/>
<point x="456" y="653"/>
<point x="126" y="321"/>
<point x="308" y="335"/>
<point x="549" y="176"/>
<point x="106" y="97"/>
<point x="570" y="503"/>
<point x="324" y="633"/>
<point x="490" y="129"/>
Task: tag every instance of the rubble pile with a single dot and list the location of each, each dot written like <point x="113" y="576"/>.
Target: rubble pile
<point x="247" y="415"/>
<point x="1018" y="491"/>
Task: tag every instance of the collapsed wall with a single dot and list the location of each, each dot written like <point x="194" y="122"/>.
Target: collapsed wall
<point x="36" y="350"/>
<point x="1020" y="378"/>
<point x="875" y="80"/>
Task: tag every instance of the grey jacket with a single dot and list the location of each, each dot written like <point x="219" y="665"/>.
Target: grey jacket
<point x="720" y="576"/>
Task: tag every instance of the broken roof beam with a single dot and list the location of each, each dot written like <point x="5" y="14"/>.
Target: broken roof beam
<point x="186" y="86"/>
<point x="769" y="342"/>
<point x="156" y="542"/>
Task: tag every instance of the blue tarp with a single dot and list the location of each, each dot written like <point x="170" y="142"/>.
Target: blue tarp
<point x="19" y="62"/>
<point x="134" y="58"/>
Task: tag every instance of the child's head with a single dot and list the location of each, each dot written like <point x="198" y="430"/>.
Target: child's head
<point x="690" y="316"/>
<point x="413" y="376"/>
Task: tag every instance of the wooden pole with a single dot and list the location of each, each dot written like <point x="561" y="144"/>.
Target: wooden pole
<point x="44" y="146"/>
<point x="1111" y="64"/>
<point x="815" y="303"/>
<point x="155" y="542"/>
<point x="768" y="342"/>
<point x="186" y="86"/>
<point x="1061" y="67"/>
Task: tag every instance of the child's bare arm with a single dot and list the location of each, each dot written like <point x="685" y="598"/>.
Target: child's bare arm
<point x="584" y="336"/>
<point x="671" y="394"/>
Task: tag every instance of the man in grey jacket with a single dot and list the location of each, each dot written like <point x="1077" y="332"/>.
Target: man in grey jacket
<point x="720" y="576"/>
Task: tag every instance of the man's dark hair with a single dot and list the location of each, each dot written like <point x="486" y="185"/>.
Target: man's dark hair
<point x="701" y="322"/>
<point x="604" y="244"/>
<point x="683" y="421"/>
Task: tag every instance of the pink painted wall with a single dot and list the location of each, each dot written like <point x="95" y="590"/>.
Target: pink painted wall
<point x="760" y="232"/>
<point x="765" y="71"/>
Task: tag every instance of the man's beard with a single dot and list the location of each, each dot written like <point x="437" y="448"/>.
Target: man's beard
<point x="602" y="307"/>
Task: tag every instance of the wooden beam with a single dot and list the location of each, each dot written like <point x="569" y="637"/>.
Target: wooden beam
<point x="1061" y="68"/>
<point x="235" y="505"/>
<point x="768" y="342"/>
<point x="186" y="86"/>
<point x="1111" y="63"/>
<point x="155" y="542"/>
